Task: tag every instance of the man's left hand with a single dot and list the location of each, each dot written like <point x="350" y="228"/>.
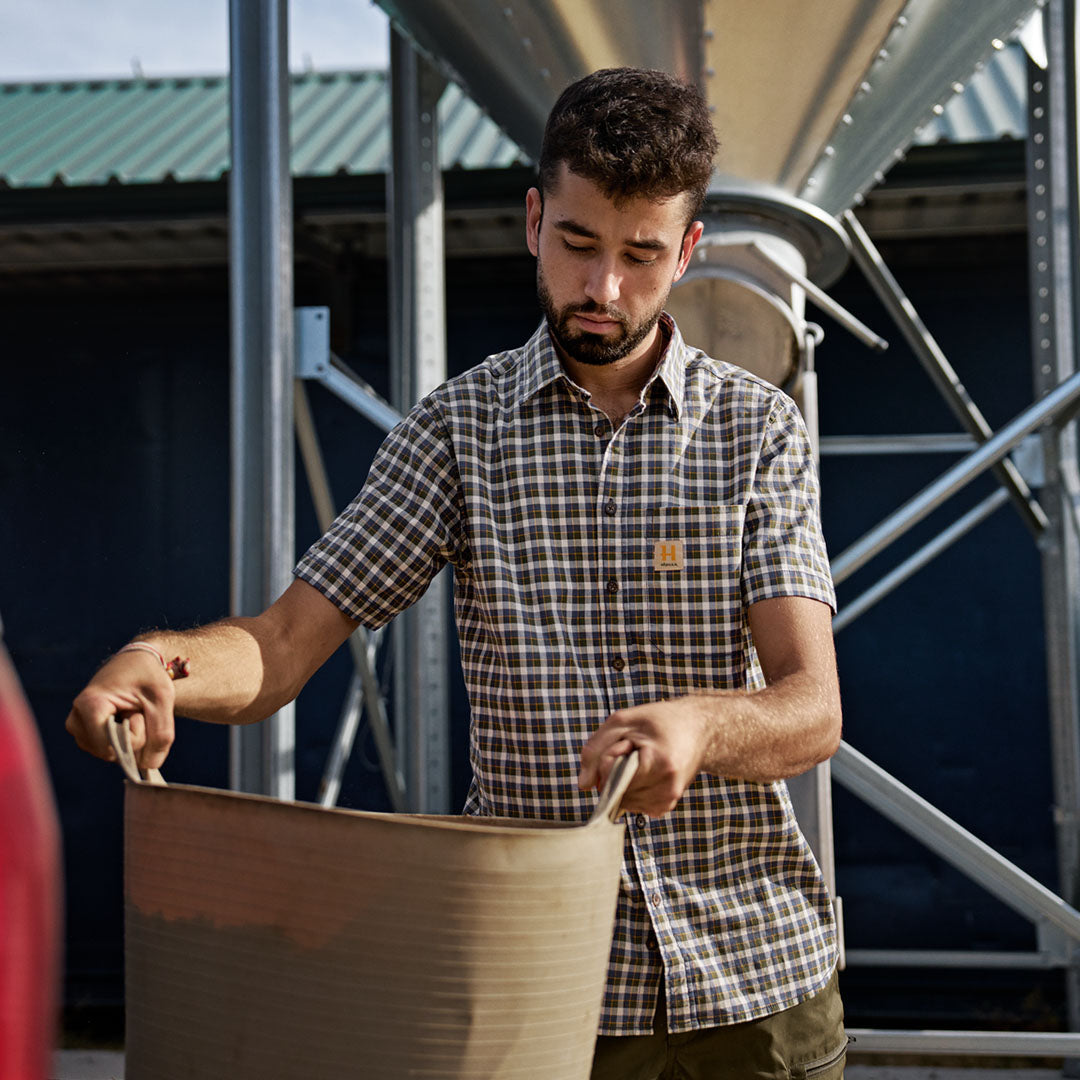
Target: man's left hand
<point x="671" y="739"/>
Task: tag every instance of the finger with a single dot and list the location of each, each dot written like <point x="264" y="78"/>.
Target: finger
<point x="87" y="721"/>
<point x="611" y="731"/>
<point x="158" y="734"/>
<point x="594" y="771"/>
<point x="84" y="736"/>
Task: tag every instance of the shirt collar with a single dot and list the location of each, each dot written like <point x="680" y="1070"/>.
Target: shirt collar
<point x="539" y="365"/>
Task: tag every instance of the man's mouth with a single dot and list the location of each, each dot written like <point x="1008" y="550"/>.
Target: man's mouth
<point x="596" y="324"/>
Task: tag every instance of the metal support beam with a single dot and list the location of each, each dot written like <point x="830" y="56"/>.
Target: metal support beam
<point x="1058" y="405"/>
<point x="848" y="445"/>
<point x="895" y="578"/>
<point x="980" y="1043"/>
<point x="418" y="365"/>
<point x="937" y="366"/>
<point x="972" y="959"/>
<point x="1054" y="246"/>
<point x="811" y="793"/>
<point x="261" y="294"/>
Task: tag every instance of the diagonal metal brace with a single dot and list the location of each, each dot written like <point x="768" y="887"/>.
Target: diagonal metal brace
<point x="937" y="366"/>
<point x="953" y="842"/>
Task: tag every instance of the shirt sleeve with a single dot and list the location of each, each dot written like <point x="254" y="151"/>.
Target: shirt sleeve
<point x="783" y="547"/>
<point x="383" y="550"/>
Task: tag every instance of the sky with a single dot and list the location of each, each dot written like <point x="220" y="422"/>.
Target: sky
<point x="67" y="39"/>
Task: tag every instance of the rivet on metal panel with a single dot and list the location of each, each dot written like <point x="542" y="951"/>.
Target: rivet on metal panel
<point x="709" y="35"/>
<point x="710" y="73"/>
<point x="1037" y="112"/>
<point x="958" y="87"/>
<point x="998" y="43"/>
<point x="846" y="118"/>
<point x="526" y="44"/>
<point x="829" y="151"/>
<point x="865" y="88"/>
<point x="938" y="109"/>
<point x="883" y="54"/>
<point x="902" y="21"/>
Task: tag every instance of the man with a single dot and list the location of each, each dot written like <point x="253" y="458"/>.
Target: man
<point x="638" y="564"/>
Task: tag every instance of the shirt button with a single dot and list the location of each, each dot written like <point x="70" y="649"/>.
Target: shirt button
<point x="610" y="508"/>
<point x="600" y="430"/>
<point x="641" y="821"/>
<point x="612" y="585"/>
<point x="651" y="944"/>
<point x="655" y="899"/>
<point x="618" y="663"/>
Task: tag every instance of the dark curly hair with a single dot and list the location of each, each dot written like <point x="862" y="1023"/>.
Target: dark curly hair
<point x="632" y="132"/>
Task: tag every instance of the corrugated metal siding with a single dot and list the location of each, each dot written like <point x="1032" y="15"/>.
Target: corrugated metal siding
<point x="135" y="131"/>
<point x="992" y="106"/>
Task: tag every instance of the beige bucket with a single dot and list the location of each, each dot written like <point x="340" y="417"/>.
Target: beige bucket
<point x="270" y="940"/>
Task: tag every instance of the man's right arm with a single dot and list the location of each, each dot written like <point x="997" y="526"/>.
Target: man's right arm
<point x="242" y="670"/>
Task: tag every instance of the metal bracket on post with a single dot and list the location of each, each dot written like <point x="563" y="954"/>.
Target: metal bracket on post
<point x="314" y="360"/>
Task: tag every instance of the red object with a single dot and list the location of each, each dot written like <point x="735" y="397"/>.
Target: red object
<point x="29" y="891"/>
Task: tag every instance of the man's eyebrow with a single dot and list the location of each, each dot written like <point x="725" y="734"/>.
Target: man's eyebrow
<point x="571" y="226"/>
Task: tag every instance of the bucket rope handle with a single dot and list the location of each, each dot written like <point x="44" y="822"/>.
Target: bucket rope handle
<point x="622" y="772"/>
<point x="120" y="740"/>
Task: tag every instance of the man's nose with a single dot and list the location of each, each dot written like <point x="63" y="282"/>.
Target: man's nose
<point x="602" y="285"/>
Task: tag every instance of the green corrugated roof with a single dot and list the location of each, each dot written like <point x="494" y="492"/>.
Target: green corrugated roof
<point x="133" y="131"/>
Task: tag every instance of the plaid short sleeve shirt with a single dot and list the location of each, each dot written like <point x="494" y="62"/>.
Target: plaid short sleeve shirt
<point x="596" y="570"/>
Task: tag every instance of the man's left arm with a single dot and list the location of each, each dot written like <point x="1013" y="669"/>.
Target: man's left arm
<point x="770" y="734"/>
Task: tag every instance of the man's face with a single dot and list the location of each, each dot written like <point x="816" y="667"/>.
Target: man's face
<point x="603" y="273"/>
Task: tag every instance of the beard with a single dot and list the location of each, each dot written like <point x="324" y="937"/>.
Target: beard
<point x="586" y="347"/>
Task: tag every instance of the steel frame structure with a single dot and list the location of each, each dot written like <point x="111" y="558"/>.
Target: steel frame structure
<point x="261" y="267"/>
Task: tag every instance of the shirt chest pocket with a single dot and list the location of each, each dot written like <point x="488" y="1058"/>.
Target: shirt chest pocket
<point x="693" y="567"/>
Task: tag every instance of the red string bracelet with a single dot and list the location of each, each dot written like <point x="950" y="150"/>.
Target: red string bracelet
<point x="175" y="668"/>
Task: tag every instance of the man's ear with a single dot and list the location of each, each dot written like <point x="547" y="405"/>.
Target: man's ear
<point x="689" y="242"/>
<point x="534" y="211"/>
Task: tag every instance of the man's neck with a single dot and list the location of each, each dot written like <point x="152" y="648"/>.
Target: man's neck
<point x="616" y="387"/>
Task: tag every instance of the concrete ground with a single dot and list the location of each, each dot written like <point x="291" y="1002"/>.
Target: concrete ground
<point x="109" y="1065"/>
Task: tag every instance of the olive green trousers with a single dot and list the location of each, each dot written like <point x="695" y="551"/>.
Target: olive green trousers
<point x="805" y="1042"/>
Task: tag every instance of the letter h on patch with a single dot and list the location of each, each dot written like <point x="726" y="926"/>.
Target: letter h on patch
<point x="668" y="555"/>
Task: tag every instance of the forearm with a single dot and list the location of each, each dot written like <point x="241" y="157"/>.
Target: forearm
<point x="239" y="670"/>
<point x="770" y="734"/>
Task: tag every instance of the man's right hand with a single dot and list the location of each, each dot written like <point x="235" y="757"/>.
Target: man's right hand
<point x="132" y="686"/>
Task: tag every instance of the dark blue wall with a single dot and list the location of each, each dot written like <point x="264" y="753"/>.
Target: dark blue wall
<point x="114" y="517"/>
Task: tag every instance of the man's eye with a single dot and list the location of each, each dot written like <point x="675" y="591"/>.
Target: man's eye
<point x="640" y="262"/>
<point x="575" y="249"/>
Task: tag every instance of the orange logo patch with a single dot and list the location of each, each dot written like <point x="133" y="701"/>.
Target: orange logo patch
<point x="668" y="555"/>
